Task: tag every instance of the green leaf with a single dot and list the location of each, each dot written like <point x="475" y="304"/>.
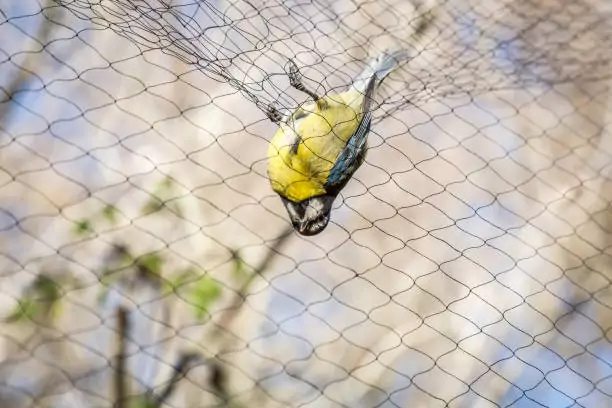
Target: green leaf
<point x="26" y="309"/>
<point x="166" y="184"/>
<point x="47" y="289"/>
<point x="123" y="254"/>
<point x="109" y="212"/>
<point x="203" y="294"/>
<point x="54" y="309"/>
<point x="83" y="227"/>
<point x="40" y="299"/>
<point x="142" y="401"/>
<point x="153" y="262"/>
<point x="239" y="271"/>
<point x="149" y="266"/>
<point x="152" y="206"/>
<point x="179" y="280"/>
<point x="156" y="203"/>
<point x="108" y="276"/>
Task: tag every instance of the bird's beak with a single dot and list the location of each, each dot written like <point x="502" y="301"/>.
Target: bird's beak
<point x="311" y="216"/>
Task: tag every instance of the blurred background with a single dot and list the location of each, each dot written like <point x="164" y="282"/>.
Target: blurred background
<point x="145" y="261"/>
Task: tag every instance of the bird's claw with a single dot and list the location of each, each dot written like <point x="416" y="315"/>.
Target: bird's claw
<point x="274" y="114"/>
<point x="295" y="81"/>
<point x="294" y="76"/>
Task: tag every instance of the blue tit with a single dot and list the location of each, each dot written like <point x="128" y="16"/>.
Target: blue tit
<point x="318" y="148"/>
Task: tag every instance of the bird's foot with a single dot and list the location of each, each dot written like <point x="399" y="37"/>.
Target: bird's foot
<point x="295" y="81"/>
<point x="274" y="114"/>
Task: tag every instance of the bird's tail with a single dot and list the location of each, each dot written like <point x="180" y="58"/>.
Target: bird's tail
<point x="389" y="60"/>
<point x="379" y="68"/>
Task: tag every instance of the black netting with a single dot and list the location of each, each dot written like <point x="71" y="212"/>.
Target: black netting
<point x="146" y="262"/>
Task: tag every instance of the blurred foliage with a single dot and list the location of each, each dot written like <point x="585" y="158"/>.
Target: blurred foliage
<point x="41" y="300"/>
<point x="149" y="266"/>
<point x="198" y="289"/>
<point x="109" y="213"/>
<point x="239" y="272"/>
<point x="83" y="228"/>
<point x="26" y="309"/>
<point x="203" y="294"/>
<point x="152" y="206"/>
<point x="162" y="197"/>
<point x="142" y="401"/>
<point x="179" y="280"/>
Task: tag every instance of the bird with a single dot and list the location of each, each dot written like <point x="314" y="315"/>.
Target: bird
<point x="319" y="146"/>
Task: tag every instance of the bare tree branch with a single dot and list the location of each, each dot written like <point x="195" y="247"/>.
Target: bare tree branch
<point x="185" y="361"/>
<point x="121" y="387"/>
<point x="229" y="314"/>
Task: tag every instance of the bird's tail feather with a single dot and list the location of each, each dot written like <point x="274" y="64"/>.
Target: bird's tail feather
<point x="380" y="67"/>
<point x="389" y="60"/>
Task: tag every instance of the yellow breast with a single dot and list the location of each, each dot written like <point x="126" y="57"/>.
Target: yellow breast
<point x="298" y="175"/>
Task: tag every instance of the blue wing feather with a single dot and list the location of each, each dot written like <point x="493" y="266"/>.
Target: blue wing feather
<point x="347" y="160"/>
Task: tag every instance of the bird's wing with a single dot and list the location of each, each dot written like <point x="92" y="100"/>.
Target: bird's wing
<point x="348" y="159"/>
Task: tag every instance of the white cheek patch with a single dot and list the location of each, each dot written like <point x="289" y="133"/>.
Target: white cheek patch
<point x="314" y="209"/>
<point x="292" y="212"/>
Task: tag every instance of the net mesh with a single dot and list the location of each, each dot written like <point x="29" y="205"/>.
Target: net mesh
<point x="146" y="262"/>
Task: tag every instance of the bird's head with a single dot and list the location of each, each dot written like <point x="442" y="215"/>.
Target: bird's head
<point x="310" y="216"/>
